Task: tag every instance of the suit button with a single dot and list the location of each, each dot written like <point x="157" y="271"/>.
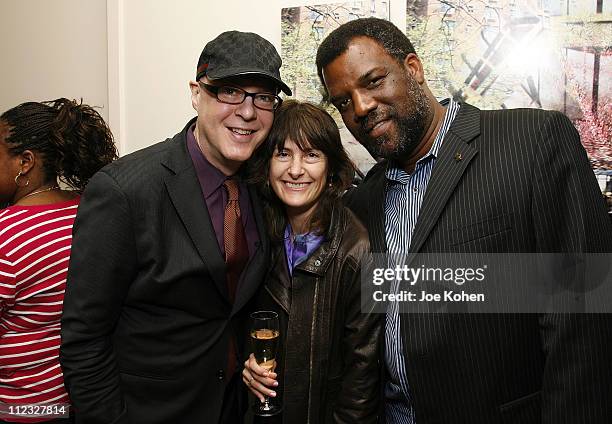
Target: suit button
<point x="220" y="375"/>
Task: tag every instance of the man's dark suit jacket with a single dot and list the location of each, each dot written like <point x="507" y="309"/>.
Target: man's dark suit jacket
<point x="504" y="181"/>
<point x="147" y="320"/>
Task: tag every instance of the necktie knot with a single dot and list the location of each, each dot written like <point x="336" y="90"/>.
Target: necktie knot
<point x="233" y="191"/>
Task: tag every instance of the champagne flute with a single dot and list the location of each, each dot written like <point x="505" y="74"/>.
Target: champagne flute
<point x="264" y="335"/>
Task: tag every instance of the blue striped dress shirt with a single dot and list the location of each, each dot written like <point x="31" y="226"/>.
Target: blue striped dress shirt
<point x="404" y="197"/>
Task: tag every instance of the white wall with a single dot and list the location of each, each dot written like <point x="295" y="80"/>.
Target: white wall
<point x="163" y="40"/>
<point x="133" y="58"/>
<point x="51" y="49"/>
<point x="158" y="46"/>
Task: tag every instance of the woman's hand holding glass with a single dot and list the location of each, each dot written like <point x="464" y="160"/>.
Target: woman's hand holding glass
<point x="259" y="379"/>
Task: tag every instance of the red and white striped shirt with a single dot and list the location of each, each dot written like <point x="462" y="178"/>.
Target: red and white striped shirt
<point x="34" y="253"/>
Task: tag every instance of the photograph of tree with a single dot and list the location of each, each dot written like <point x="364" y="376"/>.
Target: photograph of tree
<point x="550" y="54"/>
<point x="303" y="29"/>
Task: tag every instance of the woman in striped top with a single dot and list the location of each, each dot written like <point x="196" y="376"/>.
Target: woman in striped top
<point x="40" y="144"/>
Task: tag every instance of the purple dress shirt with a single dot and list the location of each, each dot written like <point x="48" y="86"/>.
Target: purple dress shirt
<point x="211" y="181"/>
<point x="301" y="248"/>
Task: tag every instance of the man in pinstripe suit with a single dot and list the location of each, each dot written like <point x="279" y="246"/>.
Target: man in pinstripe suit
<point x="458" y="179"/>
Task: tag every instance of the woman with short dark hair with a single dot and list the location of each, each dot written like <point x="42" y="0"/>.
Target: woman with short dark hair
<point x="327" y="361"/>
<point x="41" y="144"/>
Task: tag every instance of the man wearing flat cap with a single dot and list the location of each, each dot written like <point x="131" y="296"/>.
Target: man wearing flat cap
<point x="169" y="247"/>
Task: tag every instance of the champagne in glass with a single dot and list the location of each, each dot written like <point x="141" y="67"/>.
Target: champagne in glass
<point x="264" y="335"/>
<point x="265" y="342"/>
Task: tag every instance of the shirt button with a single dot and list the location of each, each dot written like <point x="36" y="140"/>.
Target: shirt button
<point x="415" y="189"/>
<point x="317" y="263"/>
<point x="220" y="375"/>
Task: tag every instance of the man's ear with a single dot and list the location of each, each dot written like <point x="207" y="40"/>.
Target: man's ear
<point x="413" y="65"/>
<point x="195" y="94"/>
<point x="27" y="160"/>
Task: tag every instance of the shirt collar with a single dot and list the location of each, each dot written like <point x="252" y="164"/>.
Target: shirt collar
<point x="213" y="177"/>
<point x="307" y="237"/>
<point x="301" y="247"/>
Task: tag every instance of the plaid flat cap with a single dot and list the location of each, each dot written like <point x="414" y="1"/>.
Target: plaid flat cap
<point x="235" y="53"/>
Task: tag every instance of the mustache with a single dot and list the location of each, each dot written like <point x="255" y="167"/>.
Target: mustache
<point x="373" y="118"/>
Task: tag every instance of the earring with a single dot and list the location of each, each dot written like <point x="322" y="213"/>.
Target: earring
<point x="17" y="180"/>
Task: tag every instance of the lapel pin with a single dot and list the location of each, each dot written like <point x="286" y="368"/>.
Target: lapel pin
<point x="458" y="157"/>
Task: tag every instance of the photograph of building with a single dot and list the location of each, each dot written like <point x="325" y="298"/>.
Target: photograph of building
<point x="548" y="54"/>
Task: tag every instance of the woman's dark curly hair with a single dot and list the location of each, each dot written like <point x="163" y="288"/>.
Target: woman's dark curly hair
<point x="308" y="126"/>
<point x="72" y="138"/>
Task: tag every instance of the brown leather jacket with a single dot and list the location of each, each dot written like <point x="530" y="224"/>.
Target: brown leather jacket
<point x="328" y="359"/>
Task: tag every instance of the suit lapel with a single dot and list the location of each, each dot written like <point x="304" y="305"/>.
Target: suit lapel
<point x="253" y="273"/>
<point x="454" y="157"/>
<point x="376" y="215"/>
<point x="186" y="196"/>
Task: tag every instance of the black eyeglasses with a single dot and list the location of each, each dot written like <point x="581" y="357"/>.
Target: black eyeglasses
<point x="235" y="96"/>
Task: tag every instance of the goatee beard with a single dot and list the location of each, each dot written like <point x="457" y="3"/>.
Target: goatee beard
<point x="410" y="130"/>
<point x="411" y="119"/>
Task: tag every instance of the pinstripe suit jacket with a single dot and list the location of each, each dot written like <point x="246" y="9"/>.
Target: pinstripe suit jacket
<point x="523" y="184"/>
